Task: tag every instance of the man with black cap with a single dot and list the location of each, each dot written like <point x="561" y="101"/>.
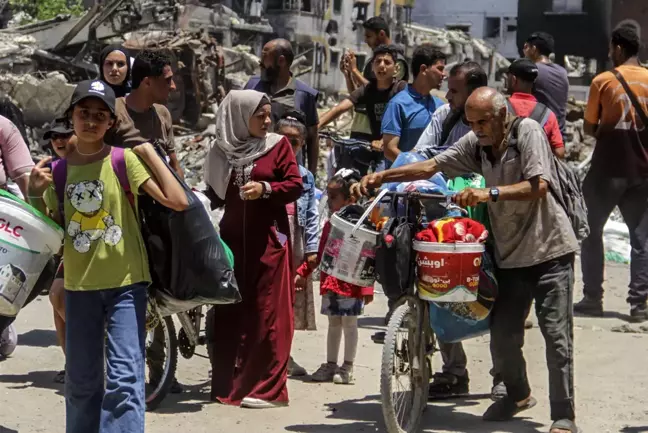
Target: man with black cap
<point x="521" y="75"/>
<point x="552" y="85"/>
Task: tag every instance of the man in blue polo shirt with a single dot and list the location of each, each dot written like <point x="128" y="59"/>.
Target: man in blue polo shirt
<point x="288" y="94"/>
<point x="410" y="111"/>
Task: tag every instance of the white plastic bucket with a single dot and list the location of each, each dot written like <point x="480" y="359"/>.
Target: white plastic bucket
<point x="28" y="239"/>
<point x="448" y="272"/>
<point x="350" y="251"/>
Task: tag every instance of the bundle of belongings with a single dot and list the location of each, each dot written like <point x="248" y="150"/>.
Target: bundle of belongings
<point x="458" y="321"/>
<point x="452" y="230"/>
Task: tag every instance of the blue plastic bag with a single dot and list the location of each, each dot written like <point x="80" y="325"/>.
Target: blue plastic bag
<point x="455" y="322"/>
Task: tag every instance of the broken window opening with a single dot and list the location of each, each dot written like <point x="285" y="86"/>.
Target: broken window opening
<point x="337" y="6"/>
<point x="492" y="27"/>
<point x="335" y="59"/>
<point x="567" y="6"/>
<point x="306" y="6"/>
<point x="361" y="11"/>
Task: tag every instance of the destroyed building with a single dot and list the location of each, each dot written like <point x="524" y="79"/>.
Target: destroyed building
<point x="582" y="28"/>
<point x="323" y="30"/>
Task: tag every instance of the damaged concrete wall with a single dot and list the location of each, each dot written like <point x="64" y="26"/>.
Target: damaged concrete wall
<point x="41" y="100"/>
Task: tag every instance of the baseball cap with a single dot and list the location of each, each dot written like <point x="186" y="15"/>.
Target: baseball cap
<point x="59" y="126"/>
<point x="94" y="89"/>
<point x="524" y="69"/>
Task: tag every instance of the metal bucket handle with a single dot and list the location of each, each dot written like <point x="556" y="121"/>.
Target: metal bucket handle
<point x="371" y="207"/>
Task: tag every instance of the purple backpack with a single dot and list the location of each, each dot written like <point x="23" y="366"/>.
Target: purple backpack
<point x="118" y="162"/>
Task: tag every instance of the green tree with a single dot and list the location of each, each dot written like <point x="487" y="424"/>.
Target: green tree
<point x="42" y="10"/>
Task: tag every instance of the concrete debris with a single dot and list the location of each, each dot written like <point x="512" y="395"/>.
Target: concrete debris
<point x="457" y="45"/>
<point x="40" y="100"/>
<point x="192" y="153"/>
<point x="200" y="67"/>
<point x="16" y="52"/>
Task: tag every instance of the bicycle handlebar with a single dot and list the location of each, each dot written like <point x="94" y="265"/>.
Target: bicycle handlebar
<point x="344" y="141"/>
<point x="418" y="195"/>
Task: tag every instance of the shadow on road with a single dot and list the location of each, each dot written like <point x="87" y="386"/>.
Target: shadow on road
<point x="38" y="338"/>
<point x="7" y="430"/>
<point x="366" y="415"/>
<point x="193" y="399"/>
<point x="372" y="322"/>
<point x="642" y="429"/>
<point x="34" y="379"/>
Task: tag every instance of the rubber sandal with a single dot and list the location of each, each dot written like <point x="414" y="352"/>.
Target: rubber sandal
<point x="505" y="409"/>
<point x="565" y="424"/>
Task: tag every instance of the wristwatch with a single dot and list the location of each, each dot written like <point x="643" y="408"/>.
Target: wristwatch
<point x="494" y="194"/>
<point x="267" y="189"/>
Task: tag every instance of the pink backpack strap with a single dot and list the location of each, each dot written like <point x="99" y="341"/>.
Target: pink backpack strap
<point x="59" y="175"/>
<point x="118" y="162"/>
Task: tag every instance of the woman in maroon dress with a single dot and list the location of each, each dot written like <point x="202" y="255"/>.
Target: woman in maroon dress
<point x="254" y="174"/>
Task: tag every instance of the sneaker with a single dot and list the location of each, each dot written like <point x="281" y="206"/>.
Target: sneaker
<point x="8" y="341"/>
<point x="344" y="375"/>
<point x="498" y="391"/>
<point x="295" y="369"/>
<point x="589" y="307"/>
<point x="639" y="313"/>
<point x="257" y="403"/>
<point x="447" y="385"/>
<point x="325" y="373"/>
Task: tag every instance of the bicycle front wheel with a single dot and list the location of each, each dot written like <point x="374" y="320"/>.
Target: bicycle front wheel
<point x="161" y="361"/>
<point x="405" y="371"/>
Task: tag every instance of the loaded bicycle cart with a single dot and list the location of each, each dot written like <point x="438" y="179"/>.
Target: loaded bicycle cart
<point x="426" y="254"/>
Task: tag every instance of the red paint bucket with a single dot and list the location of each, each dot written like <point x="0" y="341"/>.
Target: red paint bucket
<point x="448" y="272"/>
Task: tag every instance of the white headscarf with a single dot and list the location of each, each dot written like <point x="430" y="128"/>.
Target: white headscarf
<point x="233" y="145"/>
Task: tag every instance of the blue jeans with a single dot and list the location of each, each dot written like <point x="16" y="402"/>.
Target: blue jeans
<point x="113" y="320"/>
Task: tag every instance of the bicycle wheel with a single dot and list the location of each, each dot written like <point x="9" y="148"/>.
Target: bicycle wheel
<point x="405" y="371"/>
<point x="161" y="361"/>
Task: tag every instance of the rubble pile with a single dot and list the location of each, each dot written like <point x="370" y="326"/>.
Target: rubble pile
<point x="16" y="52"/>
<point x="40" y="100"/>
<point x="200" y="68"/>
<point x="192" y="151"/>
<point x="457" y="45"/>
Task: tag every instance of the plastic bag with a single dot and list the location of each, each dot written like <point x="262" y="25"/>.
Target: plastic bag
<point x="406" y="158"/>
<point x="616" y="239"/>
<point x="455" y="322"/>
<point x="188" y="259"/>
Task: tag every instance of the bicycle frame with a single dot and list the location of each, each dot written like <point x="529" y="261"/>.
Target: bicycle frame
<point x="191" y="326"/>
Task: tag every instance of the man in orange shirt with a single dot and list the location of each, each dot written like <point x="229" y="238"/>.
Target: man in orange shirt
<point x="521" y="75"/>
<point x="619" y="173"/>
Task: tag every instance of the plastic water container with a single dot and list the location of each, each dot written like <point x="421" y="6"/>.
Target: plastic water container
<point x="28" y="239"/>
<point x="350" y="251"/>
<point x="448" y="272"/>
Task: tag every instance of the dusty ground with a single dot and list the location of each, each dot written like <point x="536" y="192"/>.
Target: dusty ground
<point x="611" y="381"/>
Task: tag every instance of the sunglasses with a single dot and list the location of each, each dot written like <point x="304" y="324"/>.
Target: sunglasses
<point x="56" y="136"/>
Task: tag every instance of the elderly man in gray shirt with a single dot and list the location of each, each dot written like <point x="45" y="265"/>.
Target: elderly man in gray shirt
<point x="534" y="247"/>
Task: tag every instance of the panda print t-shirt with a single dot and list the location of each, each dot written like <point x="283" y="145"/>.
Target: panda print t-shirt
<point x="103" y="246"/>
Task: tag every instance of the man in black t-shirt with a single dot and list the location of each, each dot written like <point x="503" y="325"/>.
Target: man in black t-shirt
<point x="374" y="96"/>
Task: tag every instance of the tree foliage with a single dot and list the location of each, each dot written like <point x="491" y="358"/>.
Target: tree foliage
<point x="41" y="10"/>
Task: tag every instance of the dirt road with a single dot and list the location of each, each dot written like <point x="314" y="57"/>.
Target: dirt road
<point x="611" y="383"/>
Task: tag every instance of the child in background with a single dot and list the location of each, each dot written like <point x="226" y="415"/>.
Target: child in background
<point x="62" y="141"/>
<point x="342" y="302"/>
<point x="304" y="225"/>
<point x="107" y="271"/>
